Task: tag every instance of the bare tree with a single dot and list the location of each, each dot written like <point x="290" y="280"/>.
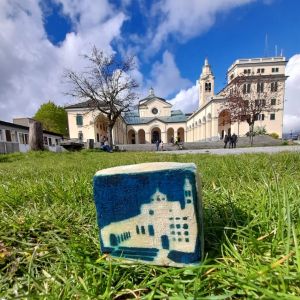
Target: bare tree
<point x="249" y="97"/>
<point x="106" y="85"/>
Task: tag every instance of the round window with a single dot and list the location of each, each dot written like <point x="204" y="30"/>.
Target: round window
<point x="154" y="110"/>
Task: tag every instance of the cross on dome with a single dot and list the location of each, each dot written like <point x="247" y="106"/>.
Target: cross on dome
<point x="151" y="91"/>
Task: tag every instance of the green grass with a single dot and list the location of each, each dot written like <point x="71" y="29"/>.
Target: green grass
<point x="49" y="246"/>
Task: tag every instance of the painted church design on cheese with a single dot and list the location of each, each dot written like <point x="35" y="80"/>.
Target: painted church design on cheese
<point x="165" y="230"/>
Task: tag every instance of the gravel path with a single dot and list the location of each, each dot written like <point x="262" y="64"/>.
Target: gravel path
<point x="222" y="151"/>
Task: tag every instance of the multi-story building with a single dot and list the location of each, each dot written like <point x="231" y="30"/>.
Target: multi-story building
<point x="154" y="119"/>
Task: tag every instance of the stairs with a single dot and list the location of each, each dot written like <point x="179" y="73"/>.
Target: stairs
<point x="260" y="141"/>
<point x="147" y="254"/>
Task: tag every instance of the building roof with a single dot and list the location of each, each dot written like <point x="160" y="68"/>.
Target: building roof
<point x="8" y="124"/>
<point x="259" y="60"/>
<point x="85" y="104"/>
<point x="152" y="97"/>
<point x="133" y="118"/>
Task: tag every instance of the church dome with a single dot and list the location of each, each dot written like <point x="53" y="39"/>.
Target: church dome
<point x="158" y="196"/>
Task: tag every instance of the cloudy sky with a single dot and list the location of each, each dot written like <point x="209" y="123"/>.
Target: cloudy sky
<point x="170" y="39"/>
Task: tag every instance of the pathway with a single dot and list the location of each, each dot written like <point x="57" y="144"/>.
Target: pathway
<point x="222" y="151"/>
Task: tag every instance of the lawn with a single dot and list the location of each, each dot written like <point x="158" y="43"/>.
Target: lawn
<point x="49" y="246"/>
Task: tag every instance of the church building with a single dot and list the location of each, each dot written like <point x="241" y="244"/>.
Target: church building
<point x="154" y="119"/>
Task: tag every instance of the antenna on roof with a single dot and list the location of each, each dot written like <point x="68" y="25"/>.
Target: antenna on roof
<point x="281" y="52"/>
<point x="266" y="46"/>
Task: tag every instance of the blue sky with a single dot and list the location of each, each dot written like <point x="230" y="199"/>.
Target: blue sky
<point x="170" y="39"/>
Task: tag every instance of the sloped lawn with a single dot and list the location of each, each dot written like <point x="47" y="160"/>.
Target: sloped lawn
<point x="49" y="246"/>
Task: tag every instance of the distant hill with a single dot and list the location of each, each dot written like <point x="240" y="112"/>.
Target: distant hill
<point x="291" y="135"/>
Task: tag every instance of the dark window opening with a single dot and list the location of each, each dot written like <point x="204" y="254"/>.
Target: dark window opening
<point x="80" y="135"/>
<point x="246" y="88"/>
<point x="8" y="135"/>
<point x="151" y="230"/>
<point x="260" y="87"/>
<point x="207" y="86"/>
<point x="274" y="87"/>
<point x="79" y="120"/>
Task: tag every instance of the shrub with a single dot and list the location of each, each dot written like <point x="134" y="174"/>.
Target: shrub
<point x="259" y="130"/>
<point x="274" y="135"/>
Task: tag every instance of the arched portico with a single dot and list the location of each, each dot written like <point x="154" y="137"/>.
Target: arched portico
<point x="224" y="124"/>
<point x="170" y="135"/>
<point x="180" y="134"/>
<point x="131" y="137"/>
<point x="208" y="126"/>
<point x="199" y="135"/>
<point x="203" y="128"/>
<point x="141" y="136"/>
<point x="100" y="126"/>
<point x="155" y="134"/>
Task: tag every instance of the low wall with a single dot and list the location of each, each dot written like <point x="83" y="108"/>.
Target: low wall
<point x="9" y="147"/>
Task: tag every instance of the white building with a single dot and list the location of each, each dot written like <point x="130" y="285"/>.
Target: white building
<point x="162" y="225"/>
<point x="155" y="119"/>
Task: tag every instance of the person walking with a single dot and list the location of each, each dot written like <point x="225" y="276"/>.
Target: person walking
<point x="226" y="140"/>
<point x="161" y="145"/>
<point x="229" y="140"/>
<point x="233" y="140"/>
<point x="157" y="144"/>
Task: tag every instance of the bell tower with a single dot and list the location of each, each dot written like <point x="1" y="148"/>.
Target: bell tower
<point x="188" y="194"/>
<point x="206" y="84"/>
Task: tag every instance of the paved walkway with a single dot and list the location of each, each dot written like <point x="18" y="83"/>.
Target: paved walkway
<point x="222" y="151"/>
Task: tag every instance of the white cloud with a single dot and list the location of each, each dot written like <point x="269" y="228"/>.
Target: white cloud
<point x="291" y="119"/>
<point x="31" y="66"/>
<point x="166" y="78"/>
<point x="187" y="100"/>
<point x="186" y="19"/>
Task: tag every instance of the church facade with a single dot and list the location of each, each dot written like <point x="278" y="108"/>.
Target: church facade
<point x="154" y="119"/>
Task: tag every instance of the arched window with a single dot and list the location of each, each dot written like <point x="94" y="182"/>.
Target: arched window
<point x="207" y="86"/>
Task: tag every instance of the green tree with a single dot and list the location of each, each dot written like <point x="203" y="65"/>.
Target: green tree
<point x="54" y="118"/>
